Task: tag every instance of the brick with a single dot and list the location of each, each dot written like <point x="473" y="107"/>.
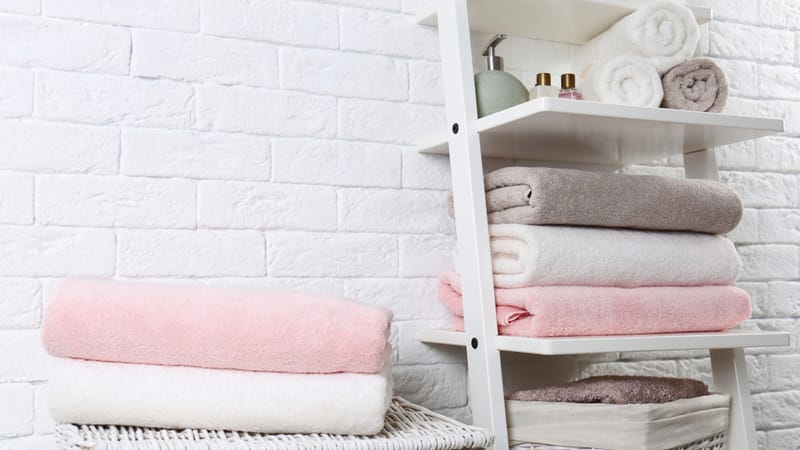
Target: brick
<point x="789" y="325"/>
<point x="435" y="386"/>
<point x="734" y="41"/>
<point x="423" y="171"/>
<point x="266" y="206"/>
<point x="16" y="92"/>
<point x="115" y="201"/>
<point x="747" y="230"/>
<point x="304" y="254"/>
<point x="416" y="7"/>
<point x="388" y="5"/>
<point x="20" y="303"/>
<point x="324" y="286"/>
<point x="648" y="368"/>
<point x="181" y="15"/>
<point x="740" y="11"/>
<point x="776" y="409"/>
<point x="764" y="190"/>
<point x="393" y="210"/>
<point x="192" y="154"/>
<point x="265" y="112"/>
<point x="742" y="77"/>
<point x="343" y="74"/>
<point x="781" y="82"/>
<point x="784" y="372"/>
<point x="16" y="409"/>
<point x="386" y="34"/>
<point x="105" y="99"/>
<point x="55" y="44"/>
<point x="759" y="297"/>
<point x="779" y="13"/>
<point x="788" y="439"/>
<point x="394" y="123"/>
<point x="20" y="6"/>
<point x="738" y="156"/>
<point x="202" y="253"/>
<point x="409" y="299"/>
<point x="779" y="154"/>
<point x="412" y="351"/>
<point x="23" y="356"/>
<point x="429" y="256"/>
<point x="779" y="226"/>
<point x="768" y="262"/>
<point x="37" y="251"/>
<point x="337" y="163"/>
<point x="294" y="23"/>
<point x="203" y="59"/>
<point x="44" y="147"/>
<point x="783" y="299"/>
<point x="16" y="199"/>
<point x="30" y="443"/>
<point x="425" y="80"/>
<point x="42" y="422"/>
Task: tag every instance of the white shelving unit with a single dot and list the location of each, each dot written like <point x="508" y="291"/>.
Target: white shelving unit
<point x="567" y="132"/>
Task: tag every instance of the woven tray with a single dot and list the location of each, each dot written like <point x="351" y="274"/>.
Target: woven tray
<point x="407" y="427"/>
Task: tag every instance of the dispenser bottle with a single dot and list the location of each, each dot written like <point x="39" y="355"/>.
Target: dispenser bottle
<point x="543" y="87"/>
<point x="497" y="90"/>
<point x="568" y="89"/>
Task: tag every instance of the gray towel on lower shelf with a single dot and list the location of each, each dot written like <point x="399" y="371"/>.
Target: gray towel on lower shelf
<point x="620" y="390"/>
<point x="544" y="196"/>
<point x="695" y="85"/>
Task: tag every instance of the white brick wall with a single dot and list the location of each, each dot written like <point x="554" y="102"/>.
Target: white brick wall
<point x="270" y="144"/>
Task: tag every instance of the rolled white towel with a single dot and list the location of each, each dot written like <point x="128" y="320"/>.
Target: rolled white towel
<point x="89" y="392"/>
<point x="663" y="31"/>
<point x="626" y="80"/>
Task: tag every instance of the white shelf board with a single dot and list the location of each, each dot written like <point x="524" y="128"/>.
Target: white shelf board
<point x="604" y="344"/>
<point x="575" y="131"/>
<point x="574" y="21"/>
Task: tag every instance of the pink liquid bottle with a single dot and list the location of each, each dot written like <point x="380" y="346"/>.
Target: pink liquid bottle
<point x="568" y="89"/>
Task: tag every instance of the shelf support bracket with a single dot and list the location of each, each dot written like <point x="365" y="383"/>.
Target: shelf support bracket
<point x="730" y="376"/>
<point x="475" y="264"/>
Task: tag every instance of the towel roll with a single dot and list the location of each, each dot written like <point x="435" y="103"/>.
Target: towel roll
<point x="663" y="31"/>
<point x="89" y="392"/>
<point x="533" y="255"/>
<point x="698" y="84"/>
<point x="624" y="80"/>
<point x="217" y="328"/>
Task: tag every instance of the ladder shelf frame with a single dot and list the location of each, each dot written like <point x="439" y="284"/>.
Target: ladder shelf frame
<point x="486" y="395"/>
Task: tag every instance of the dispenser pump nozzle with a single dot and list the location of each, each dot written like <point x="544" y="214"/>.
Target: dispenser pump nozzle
<point x="494" y="62"/>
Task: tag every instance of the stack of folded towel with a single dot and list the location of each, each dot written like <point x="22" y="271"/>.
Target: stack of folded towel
<point x="155" y="355"/>
<point x="644" y="60"/>
<point x="618" y="413"/>
<point x="578" y="253"/>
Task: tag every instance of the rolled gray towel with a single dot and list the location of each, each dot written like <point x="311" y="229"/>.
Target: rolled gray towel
<point x="619" y="390"/>
<point x="698" y="84"/>
<point x="544" y="196"/>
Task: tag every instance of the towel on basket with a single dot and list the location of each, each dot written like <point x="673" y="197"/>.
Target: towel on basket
<point x="614" y="389"/>
<point x="544" y="196"/>
<point x="551" y="311"/>
<point x="88" y="392"/>
<point x="695" y="85"/>
<point x="216" y="328"/>
<point x="664" y="32"/>
<point x="533" y="255"/>
<point x="624" y="80"/>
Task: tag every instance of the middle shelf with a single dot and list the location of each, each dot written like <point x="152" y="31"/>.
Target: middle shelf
<point x="605" y="344"/>
<point x="585" y="132"/>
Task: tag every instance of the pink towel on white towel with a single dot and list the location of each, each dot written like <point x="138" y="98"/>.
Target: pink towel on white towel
<point x="216" y="328"/>
<point x="550" y="311"/>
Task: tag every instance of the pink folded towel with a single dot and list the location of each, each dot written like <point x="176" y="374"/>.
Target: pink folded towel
<point x="550" y="311"/>
<point x="216" y="328"/>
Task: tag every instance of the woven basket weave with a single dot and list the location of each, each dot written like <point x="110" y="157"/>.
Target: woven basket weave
<point x="407" y="427"/>
<point x="716" y="442"/>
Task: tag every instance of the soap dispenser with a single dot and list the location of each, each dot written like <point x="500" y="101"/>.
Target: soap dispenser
<point x="497" y="90"/>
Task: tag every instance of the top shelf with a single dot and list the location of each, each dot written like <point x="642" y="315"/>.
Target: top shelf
<point x="573" y="21"/>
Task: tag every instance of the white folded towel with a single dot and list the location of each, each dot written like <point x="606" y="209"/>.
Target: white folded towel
<point x="663" y="31"/>
<point x="626" y="80"/>
<point x="533" y="255"/>
<point x="88" y="392"/>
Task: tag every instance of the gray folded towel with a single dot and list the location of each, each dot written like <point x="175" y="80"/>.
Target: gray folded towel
<point x="543" y="196"/>
<point x="695" y="85"/>
<point x="618" y="390"/>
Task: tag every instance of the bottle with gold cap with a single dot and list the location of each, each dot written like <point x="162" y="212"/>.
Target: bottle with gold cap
<point x="568" y="89"/>
<point x="543" y="87"/>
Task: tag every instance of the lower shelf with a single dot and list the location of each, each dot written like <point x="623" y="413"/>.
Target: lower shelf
<point x="606" y="344"/>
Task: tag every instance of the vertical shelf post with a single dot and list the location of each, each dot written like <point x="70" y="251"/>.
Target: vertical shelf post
<point x="475" y="264"/>
<point x="728" y="365"/>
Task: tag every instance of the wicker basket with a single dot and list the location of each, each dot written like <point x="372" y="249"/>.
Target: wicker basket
<point x="407" y="427"/>
<point x="716" y="442"/>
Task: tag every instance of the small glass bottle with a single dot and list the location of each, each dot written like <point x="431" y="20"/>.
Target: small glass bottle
<point x="568" y="89"/>
<point x="543" y="87"/>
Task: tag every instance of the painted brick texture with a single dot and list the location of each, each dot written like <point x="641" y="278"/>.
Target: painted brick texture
<point x="270" y="144"/>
